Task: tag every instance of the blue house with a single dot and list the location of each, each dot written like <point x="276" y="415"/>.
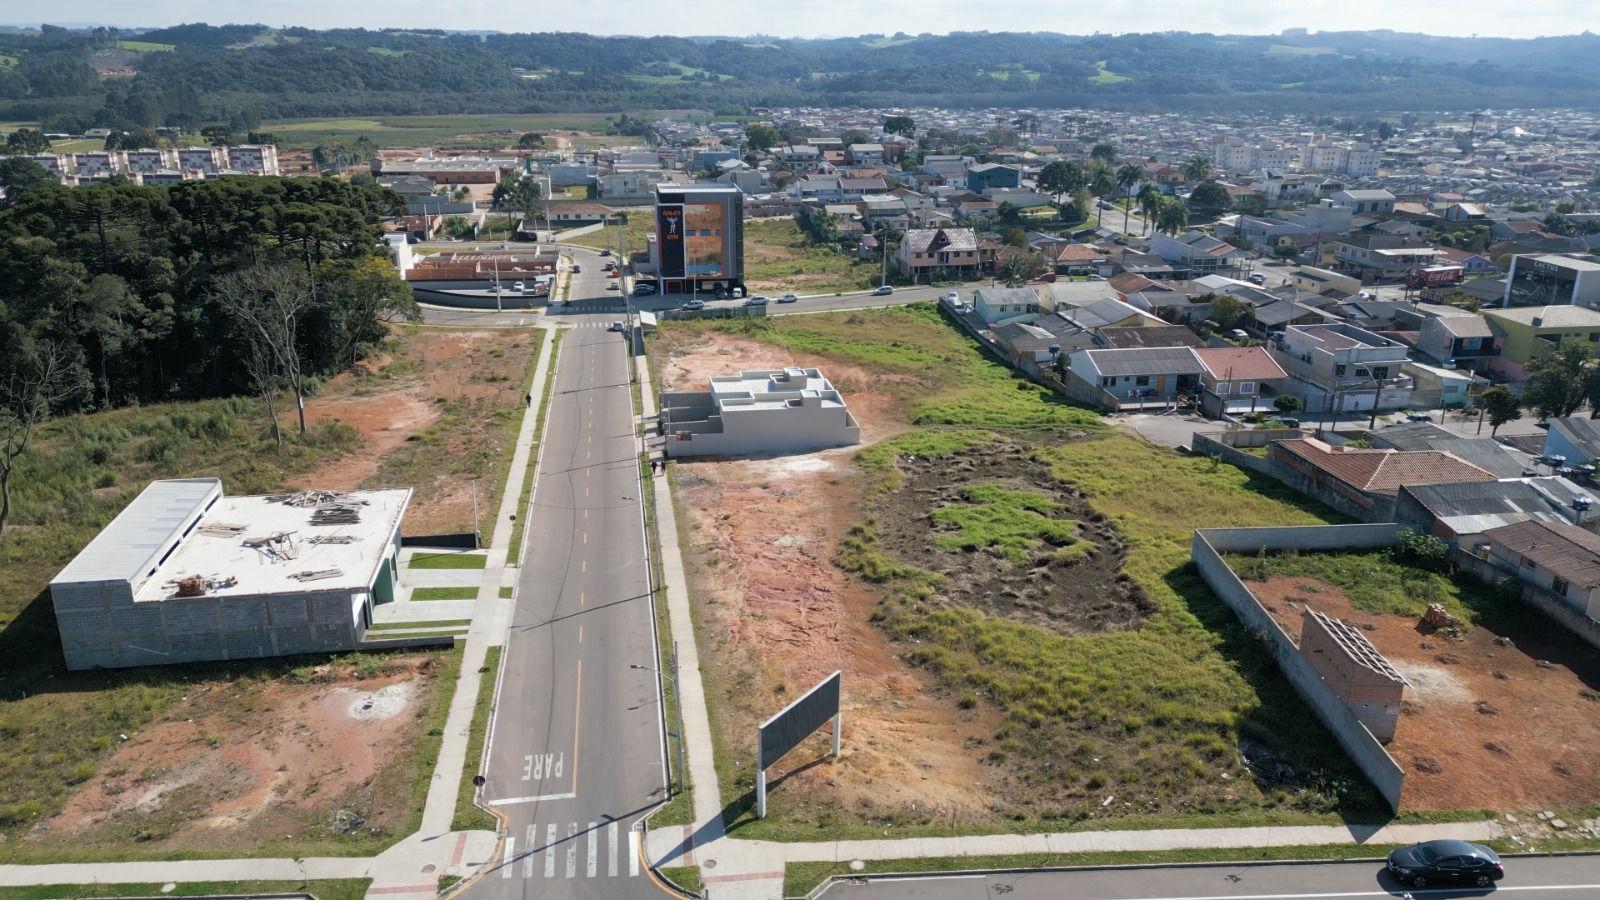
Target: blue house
<point x="1577" y="438"/>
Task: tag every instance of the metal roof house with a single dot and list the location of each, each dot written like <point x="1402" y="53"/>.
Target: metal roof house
<point x="187" y="574"/>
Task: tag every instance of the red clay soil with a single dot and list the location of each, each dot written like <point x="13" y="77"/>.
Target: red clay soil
<point x="776" y="615"/>
<point x="387" y="411"/>
<point x="1485" y="724"/>
<point x="239" y="764"/>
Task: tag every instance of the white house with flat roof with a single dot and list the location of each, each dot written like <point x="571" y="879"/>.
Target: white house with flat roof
<point x="789" y="410"/>
<point x="187" y="574"/>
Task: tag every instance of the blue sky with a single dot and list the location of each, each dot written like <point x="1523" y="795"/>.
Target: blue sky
<point x="810" y="18"/>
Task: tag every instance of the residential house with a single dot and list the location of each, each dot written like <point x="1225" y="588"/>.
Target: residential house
<point x="1363" y="483"/>
<point x="1561" y="559"/>
<point x="1195" y="252"/>
<point x="1075" y="259"/>
<point x="1381" y="257"/>
<point x="1078" y="293"/>
<point x="1134" y="378"/>
<point x="1485" y="453"/>
<point x="924" y="252"/>
<point x="788" y="410"/>
<point x="1459" y="513"/>
<point x="984" y="176"/>
<point x="865" y="154"/>
<point x="1238" y="379"/>
<point x="1324" y="281"/>
<point x="1460" y="338"/>
<point x="1472" y="263"/>
<point x="996" y="304"/>
<point x="1435" y="386"/>
<point x="1532" y="331"/>
<point x="1133" y="336"/>
<point x="1365" y="202"/>
<point x="1575" y="439"/>
<point x="571" y="215"/>
<point x="1344" y="368"/>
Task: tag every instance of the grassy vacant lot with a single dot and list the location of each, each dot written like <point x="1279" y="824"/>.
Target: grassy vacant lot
<point x="778" y="258"/>
<point x="419" y="131"/>
<point x="640" y="223"/>
<point x="1156" y="718"/>
<point x="1375" y="582"/>
<point x="469" y="815"/>
<point x="339" y="889"/>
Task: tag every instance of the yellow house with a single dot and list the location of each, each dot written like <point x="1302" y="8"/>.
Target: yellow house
<point x="1532" y="331"/>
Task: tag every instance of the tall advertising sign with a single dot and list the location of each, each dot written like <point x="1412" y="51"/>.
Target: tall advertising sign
<point x="669" y="239"/>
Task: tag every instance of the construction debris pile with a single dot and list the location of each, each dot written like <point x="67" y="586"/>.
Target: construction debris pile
<point x="317" y="574"/>
<point x="200" y="585"/>
<point x="327" y="507"/>
<point x="220" y="530"/>
<point x="276" y="547"/>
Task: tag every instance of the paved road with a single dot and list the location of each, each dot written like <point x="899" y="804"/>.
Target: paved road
<point x="1558" y="878"/>
<point x="576" y="755"/>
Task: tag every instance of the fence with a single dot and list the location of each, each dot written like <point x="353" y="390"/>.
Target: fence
<point x="1206" y="549"/>
<point x="1226" y="445"/>
<point x="1535" y="596"/>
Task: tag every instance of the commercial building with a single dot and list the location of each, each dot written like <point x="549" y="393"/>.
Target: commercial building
<point x="187" y="574"/>
<point x="449" y="170"/>
<point x="699" y="239"/>
<point x="1548" y="279"/>
<point x="1532" y="331"/>
<point x="790" y="410"/>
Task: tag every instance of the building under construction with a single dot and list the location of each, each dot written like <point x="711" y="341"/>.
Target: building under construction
<point x="186" y="574"/>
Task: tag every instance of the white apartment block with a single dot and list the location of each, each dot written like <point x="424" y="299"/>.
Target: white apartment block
<point x="789" y="410"/>
<point x="205" y="160"/>
<point x="260" y="159"/>
<point x="150" y="161"/>
<point x="1353" y="158"/>
<point x="1235" y="155"/>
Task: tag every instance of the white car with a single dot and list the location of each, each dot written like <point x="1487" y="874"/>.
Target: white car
<point x="952" y="297"/>
<point x="789" y="298"/>
<point x="882" y="290"/>
<point x="518" y="288"/>
<point x="616" y="325"/>
<point x="757" y="301"/>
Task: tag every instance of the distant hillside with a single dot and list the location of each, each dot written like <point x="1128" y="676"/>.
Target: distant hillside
<point x="210" y="72"/>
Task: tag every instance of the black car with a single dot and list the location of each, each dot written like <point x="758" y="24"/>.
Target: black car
<point x="1457" y="862"/>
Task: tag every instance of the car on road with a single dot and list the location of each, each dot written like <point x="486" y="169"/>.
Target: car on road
<point x="882" y="290"/>
<point x="616" y="325"/>
<point x="694" y="304"/>
<point x="577" y="269"/>
<point x="952" y="297"/>
<point x="605" y="252"/>
<point x="614" y="286"/>
<point x="757" y="301"/>
<point x="1102" y="204"/>
<point x="518" y="288"/>
<point x="644" y="289"/>
<point x="789" y="298"/>
<point x="1258" y="278"/>
<point x="1445" y="861"/>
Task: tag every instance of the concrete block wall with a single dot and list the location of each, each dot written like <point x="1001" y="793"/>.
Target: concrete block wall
<point x="1374" y="698"/>
<point x="1210" y="445"/>
<point x="1206" y="549"/>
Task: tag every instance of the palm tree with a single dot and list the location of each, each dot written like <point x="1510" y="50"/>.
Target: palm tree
<point x="1128" y="175"/>
<point x="1198" y="168"/>
<point x="1102" y="184"/>
<point x="1172" y="217"/>
<point x="1149" y="203"/>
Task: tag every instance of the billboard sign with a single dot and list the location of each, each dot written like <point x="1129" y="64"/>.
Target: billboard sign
<point x="703" y="239"/>
<point x="793" y="724"/>
<point x="669" y="239"/>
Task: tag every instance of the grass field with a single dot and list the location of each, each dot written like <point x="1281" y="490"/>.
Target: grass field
<point x="1154" y="717"/>
<point x="1104" y="75"/>
<point x="147" y="46"/>
<point x="417" y="131"/>
<point x="468" y="815"/>
<point x="339" y="889"/>
<point x="639" y="224"/>
<point x="425" y="560"/>
<point x="778" y="258"/>
<point x="80" y="146"/>
<point x="1375" y="582"/>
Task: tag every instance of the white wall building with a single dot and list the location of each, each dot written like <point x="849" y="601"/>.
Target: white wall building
<point x="790" y="410"/>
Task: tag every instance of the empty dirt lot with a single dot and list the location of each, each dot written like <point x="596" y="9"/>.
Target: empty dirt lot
<point x="432" y="413"/>
<point x="318" y="753"/>
<point x="1506" y="716"/>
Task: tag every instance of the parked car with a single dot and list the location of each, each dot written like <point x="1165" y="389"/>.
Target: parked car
<point x="757" y="301"/>
<point x="1419" y="417"/>
<point x="614" y="286"/>
<point x="694" y="304"/>
<point x="1103" y="204"/>
<point x="1258" y="278"/>
<point x="577" y="269"/>
<point x="1457" y="862"/>
<point x="644" y="288"/>
<point x="605" y="252"/>
<point x="952" y="297"/>
<point x="518" y="288"/>
<point x="789" y="298"/>
<point x="616" y="325"/>
<point x="882" y="290"/>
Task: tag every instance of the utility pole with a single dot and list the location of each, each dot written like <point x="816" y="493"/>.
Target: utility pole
<point x="497" y="307"/>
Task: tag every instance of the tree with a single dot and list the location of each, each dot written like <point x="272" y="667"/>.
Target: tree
<point x="901" y="125"/>
<point x="1061" y="178"/>
<point x="18" y="177"/>
<point x="1228" y="311"/>
<point x="1500" y="405"/>
<point x="1287" y="404"/>
<point x="268" y="302"/>
<point x="1559" y="380"/>
<point x="218" y="135"/>
<point x="1172" y="216"/>
<point x="1104" y="152"/>
<point x="1027" y="123"/>
<point x="27" y="142"/>
<point x="1102" y="184"/>
<point x="761" y="136"/>
<point x="531" y="140"/>
<point x="30" y="393"/>
<point x="1198" y="168"/>
<point x="1128" y="175"/>
<point x="529" y="197"/>
<point x="1149" y="200"/>
<point x="1018" y="268"/>
<point x="1209" y="199"/>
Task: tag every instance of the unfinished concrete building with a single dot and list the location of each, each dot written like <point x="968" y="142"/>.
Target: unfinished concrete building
<point x="186" y="574"/>
<point x="790" y="410"/>
<point x="1361" y="677"/>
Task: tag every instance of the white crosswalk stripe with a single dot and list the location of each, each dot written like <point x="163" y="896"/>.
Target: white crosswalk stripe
<point x="611" y="834"/>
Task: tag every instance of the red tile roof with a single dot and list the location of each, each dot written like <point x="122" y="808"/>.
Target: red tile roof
<point x="1240" y="363"/>
<point x="1077" y="253"/>
<point x="1384" y="471"/>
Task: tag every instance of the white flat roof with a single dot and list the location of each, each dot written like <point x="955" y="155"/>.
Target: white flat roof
<point x="135" y="540"/>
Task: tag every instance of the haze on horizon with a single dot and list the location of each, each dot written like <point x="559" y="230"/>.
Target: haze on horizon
<point x="822" y="18"/>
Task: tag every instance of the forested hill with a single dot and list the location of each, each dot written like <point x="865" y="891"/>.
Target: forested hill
<point x="205" y="72"/>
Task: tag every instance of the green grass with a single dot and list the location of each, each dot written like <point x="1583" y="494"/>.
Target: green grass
<point x="336" y="889"/>
<point x="1291" y="50"/>
<point x="777" y="257"/>
<point x="1375" y="582"/>
<point x="385" y="51"/>
<point x="800" y="878"/>
<point x="639" y="225"/>
<point x="514" y="551"/>
<point x="681" y="75"/>
<point x="444" y="593"/>
<point x="686" y="877"/>
<point x="1012" y="521"/>
<point x="6" y="62"/>
<point x="425" y="560"/>
<point x="80" y="472"/>
<point x="85" y="145"/>
<point x="408" y="626"/>
<point x="421" y="131"/>
<point x="469" y="817"/>
<point x="506" y="593"/>
<point x="147" y="46"/>
<point x="1103" y="75"/>
<point x="679" y="808"/>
